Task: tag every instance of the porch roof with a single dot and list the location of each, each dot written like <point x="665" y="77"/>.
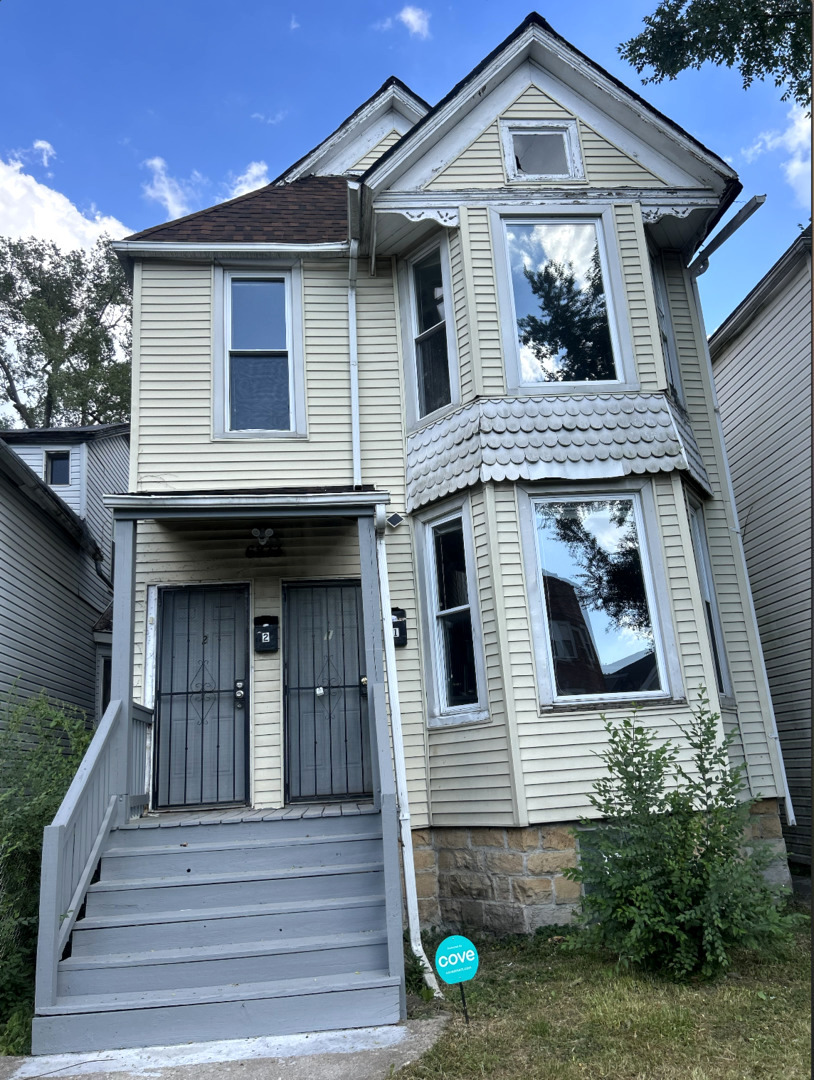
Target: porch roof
<point x="281" y="502"/>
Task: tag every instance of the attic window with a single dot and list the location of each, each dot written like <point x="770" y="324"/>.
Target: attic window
<point x="58" y="468"/>
<point x="541" y="150"/>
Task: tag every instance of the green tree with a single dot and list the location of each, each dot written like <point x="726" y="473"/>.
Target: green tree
<point x="762" y="38"/>
<point x="64" y="334"/>
<point x="570" y="338"/>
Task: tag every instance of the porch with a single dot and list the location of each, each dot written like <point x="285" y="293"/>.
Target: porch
<point x="222" y="913"/>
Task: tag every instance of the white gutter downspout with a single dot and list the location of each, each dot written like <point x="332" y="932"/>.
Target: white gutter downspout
<point x="401" y="766"/>
<point x="353" y="348"/>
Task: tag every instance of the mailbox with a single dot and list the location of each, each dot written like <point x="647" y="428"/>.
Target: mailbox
<point x="399" y="617"/>
<point x="266" y="633"/>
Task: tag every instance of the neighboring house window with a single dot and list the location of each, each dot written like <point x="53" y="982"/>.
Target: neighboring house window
<point x="58" y="468"/>
<point x="713" y="617"/>
<point x="453" y="623"/>
<point x="599" y="618"/>
<point x="668" y="342"/>
<point x="430" y="331"/>
<point x="260" y="389"/>
<point x="541" y="150"/>
<point x="561" y="315"/>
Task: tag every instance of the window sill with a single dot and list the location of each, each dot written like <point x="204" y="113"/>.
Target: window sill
<point x="257" y="436"/>
<point x="609" y="705"/>
<point x="456" y="720"/>
<point x="558" y="389"/>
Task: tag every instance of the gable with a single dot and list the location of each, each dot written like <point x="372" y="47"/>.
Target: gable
<point x="481" y="165"/>
<point x="373" y="155"/>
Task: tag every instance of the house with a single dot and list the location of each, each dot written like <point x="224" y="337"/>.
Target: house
<point x="761" y="360"/>
<point x="426" y="474"/>
<point x="56" y="550"/>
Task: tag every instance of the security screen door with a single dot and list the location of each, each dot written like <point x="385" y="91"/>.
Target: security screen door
<point x="202" y="697"/>
<point x="327" y="737"/>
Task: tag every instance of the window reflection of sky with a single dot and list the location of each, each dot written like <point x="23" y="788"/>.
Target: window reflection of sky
<point x="533" y="247"/>
<point x="613" y="643"/>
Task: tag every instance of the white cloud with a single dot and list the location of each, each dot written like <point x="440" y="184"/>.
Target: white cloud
<point x="177" y="196"/>
<point x="45" y="149"/>
<point x="29" y="208"/>
<point x="256" y="175"/>
<point x="416" y="20"/>
<point x="794" y="140"/>
<point x="272" y="118"/>
<point x="384" y="24"/>
<point x="293" y="25"/>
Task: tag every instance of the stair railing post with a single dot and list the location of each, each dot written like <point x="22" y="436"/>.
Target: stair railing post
<point x="121" y="676"/>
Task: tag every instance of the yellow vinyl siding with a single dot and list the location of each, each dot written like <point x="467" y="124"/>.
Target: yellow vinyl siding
<point x="481" y="164"/>
<point x="376" y="152"/>
<point x="460" y="307"/>
<point x="176" y="448"/>
<point x="632" y="250"/>
<point x="490" y="378"/>
<point x="729" y="572"/>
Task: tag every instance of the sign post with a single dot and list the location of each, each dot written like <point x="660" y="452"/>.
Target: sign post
<point x="456" y="961"/>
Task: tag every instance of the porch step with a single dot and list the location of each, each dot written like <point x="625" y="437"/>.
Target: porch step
<point x="227" y="929"/>
<point x="148" y="1018"/>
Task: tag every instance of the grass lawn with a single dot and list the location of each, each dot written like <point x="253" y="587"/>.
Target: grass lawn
<point x="538" y="1012"/>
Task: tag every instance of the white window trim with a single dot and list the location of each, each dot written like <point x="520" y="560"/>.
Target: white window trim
<point x="438" y="715"/>
<point x="706" y="580"/>
<point x="570" y="132"/>
<point x="601" y="216"/>
<point x="409" y="329"/>
<point x="665" y="327"/>
<point x="46" y="453"/>
<point x="292" y="275"/>
<point x="655" y="583"/>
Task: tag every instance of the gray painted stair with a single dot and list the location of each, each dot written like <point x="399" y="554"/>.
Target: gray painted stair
<point x="197" y="931"/>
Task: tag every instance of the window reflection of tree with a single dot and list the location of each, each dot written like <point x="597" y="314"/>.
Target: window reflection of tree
<point x="570" y="339"/>
<point x="608" y="582"/>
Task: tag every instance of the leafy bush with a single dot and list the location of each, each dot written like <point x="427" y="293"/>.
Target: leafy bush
<point x="41" y="745"/>
<point x="669" y="882"/>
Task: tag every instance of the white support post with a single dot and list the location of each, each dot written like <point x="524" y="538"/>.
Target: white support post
<point x="121" y="676"/>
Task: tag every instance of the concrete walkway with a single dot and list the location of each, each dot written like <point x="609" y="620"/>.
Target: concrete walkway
<point x="359" y="1054"/>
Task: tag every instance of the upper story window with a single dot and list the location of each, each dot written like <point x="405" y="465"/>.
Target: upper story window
<point x="259" y="383"/>
<point x="707" y="583"/>
<point x="666" y="333"/>
<point x="561" y="313"/>
<point x="541" y="150"/>
<point x="432" y="382"/>
<point x="58" y="468"/>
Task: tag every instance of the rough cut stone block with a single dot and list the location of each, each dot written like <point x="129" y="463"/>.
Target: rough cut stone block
<point x="450" y="838"/>
<point x="503" y="862"/>
<point x="566" y="891"/>
<point x="524" y="839"/>
<point x="472" y="914"/>
<point x="429" y="912"/>
<point x="466" y="886"/>
<point x="531" y="890"/>
<point x="422" y="838"/>
<point x="548" y="915"/>
<point x="424" y="859"/>
<point x="559" y="838"/>
<point x="768" y="826"/>
<point x="764" y="806"/>
<point x="504" y="918"/>
<point x="548" y="862"/>
<point x="426" y="885"/>
<point x="488" y="837"/>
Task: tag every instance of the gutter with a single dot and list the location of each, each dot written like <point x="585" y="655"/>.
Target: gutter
<point x="353" y="349"/>
<point x="399" y="764"/>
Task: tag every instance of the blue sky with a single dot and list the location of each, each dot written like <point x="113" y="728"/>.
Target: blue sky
<point x="118" y="116"/>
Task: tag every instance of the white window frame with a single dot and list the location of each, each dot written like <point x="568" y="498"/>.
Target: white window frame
<point x="601" y="217"/>
<point x="438" y="713"/>
<point x="703" y="563"/>
<point x="47" y="453"/>
<point x="573" y="155"/>
<point x="664" y="319"/>
<point x="655" y="583"/>
<point x="292" y="276"/>
<point x="409" y="325"/>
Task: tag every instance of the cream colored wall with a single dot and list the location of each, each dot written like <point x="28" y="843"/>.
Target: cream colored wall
<point x="376" y="152"/>
<point x="481" y="165"/>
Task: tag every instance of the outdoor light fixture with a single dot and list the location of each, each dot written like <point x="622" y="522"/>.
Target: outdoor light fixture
<point x="267" y="545"/>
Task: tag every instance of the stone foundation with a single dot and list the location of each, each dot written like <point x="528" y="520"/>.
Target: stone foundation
<point x="510" y="881"/>
<point x="505" y="880"/>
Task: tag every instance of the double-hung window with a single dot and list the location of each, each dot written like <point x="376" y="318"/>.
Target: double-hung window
<point x="259" y="391"/>
<point x="559" y="324"/>
<point x="452" y="623"/>
<point x="432" y="342"/>
<point x="668" y="343"/>
<point x="599" y="619"/>
<point x="711" y="612"/>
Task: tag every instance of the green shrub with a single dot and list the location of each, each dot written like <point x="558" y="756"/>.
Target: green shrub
<point x="668" y="881"/>
<point x="41" y="745"/>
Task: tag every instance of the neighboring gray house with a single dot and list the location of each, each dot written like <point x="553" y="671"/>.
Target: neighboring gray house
<point x="761" y="358"/>
<point x="55" y="560"/>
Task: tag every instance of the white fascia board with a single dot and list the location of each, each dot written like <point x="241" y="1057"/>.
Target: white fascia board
<point x="512" y="200"/>
<point x="145" y="249"/>
<point x="351" y="141"/>
<point x="535" y="57"/>
<point x="333" y="503"/>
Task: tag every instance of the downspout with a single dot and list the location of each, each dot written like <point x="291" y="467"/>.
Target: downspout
<point x="400" y="765"/>
<point x="353" y="348"/>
